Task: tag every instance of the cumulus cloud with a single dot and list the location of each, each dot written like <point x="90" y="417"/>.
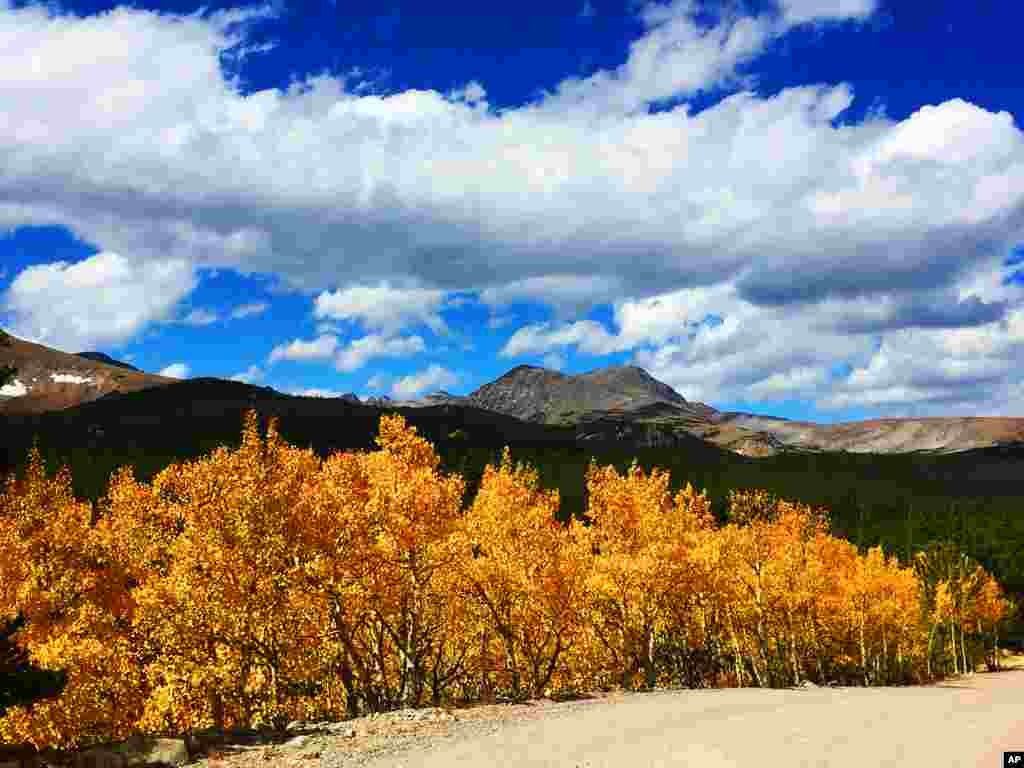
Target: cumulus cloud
<point x="796" y="382"/>
<point x="713" y="345"/>
<point x="433" y="378"/>
<point x="802" y="11"/>
<point x="200" y="317"/>
<point x="876" y="244"/>
<point x="321" y="348"/>
<point x="588" y="336"/>
<point x="383" y="308"/>
<point x="103" y="300"/>
<point x="352" y="175"/>
<point x="568" y="294"/>
<point x="361" y="351"/>
<point x="175" y="371"/>
<point x="314" y="392"/>
<point x="471" y="93"/>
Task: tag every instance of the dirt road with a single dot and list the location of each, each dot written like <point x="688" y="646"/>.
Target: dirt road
<point x="968" y="721"/>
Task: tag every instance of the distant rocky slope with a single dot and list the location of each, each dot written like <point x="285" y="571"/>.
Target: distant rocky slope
<point x="623" y="404"/>
<point x="49" y="380"/>
<point x="626" y="398"/>
<point x="538" y="394"/>
<point x="947" y="434"/>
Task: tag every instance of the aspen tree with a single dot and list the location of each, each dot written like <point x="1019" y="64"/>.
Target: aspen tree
<point x="530" y="573"/>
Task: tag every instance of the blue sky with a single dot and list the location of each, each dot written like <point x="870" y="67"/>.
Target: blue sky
<point x="803" y="208"/>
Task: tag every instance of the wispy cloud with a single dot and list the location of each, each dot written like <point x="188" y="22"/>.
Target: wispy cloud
<point x="321" y="348"/>
<point x="200" y="317"/>
<point x="382" y="307"/>
<point x="361" y="351"/>
<point x="433" y="378"/>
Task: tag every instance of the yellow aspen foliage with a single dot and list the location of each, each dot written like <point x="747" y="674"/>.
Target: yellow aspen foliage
<point x="632" y="530"/>
<point x="529" y="573"/>
<point x="748" y="543"/>
<point x="340" y="537"/>
<point x="880" y="594"/>
<point x="792" y="537"/>
<point x="55" y="572"/>
<point x="687" y="597"/>
<point x="990" y="609"/>
<point x="224" y="615"/>
<point x="258" y="585"/>
<point x="456" y="658"/>
<point x="414" y="509"/>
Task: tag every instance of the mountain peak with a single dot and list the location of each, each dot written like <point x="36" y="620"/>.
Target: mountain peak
<point x="539" y="394"/>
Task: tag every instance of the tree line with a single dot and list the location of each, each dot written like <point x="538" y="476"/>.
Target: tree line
<point x="262" y="584"/>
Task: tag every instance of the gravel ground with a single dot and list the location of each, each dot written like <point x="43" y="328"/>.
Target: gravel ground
<point x="966" y="721"/>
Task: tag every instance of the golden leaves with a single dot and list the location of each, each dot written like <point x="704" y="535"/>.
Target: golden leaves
<point x="261" y="584"/>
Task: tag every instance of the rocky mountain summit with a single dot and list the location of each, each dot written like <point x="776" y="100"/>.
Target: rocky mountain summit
<point x="538" y="394"/>
<point x="623" y="404"/>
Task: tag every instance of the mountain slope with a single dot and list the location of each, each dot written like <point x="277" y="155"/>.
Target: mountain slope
<point x="616" y="404"/>
<point x="49" y="380"/>
<point x="538" y="394"/>
<point x="620" y="399"/>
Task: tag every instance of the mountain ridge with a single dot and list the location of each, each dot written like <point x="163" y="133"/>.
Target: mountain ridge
<point x="619" y="403"/>
<point x="47" y="379"/>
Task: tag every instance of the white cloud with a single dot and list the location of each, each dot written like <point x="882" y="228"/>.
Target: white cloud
<point x="791" y="384"/>
<point x="315" y="393"/>
<point x="321" y="348"/>
<point x="361" y="351"/>
<point x="103" y="300"/>
<point x="802" y="11"/>
<point x="328" y="329"/>
<point x="471" y="93"/>
<point x="247" y="310"/>
<point x="200" y="317"/>
<point x="674" y="315"/>
<point x="589" y="336"/>
<point x="675" y="56"/>
<point x="383" y="308"/>
<point x="378" y="381"/>
<point x="433" y="378"/>
<point x="251" y="374"/>
<point x="175" y="371"/>
<point x="809" y="239"/>
<point x="568" y="294"/>
<point x="771" y="353"/>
